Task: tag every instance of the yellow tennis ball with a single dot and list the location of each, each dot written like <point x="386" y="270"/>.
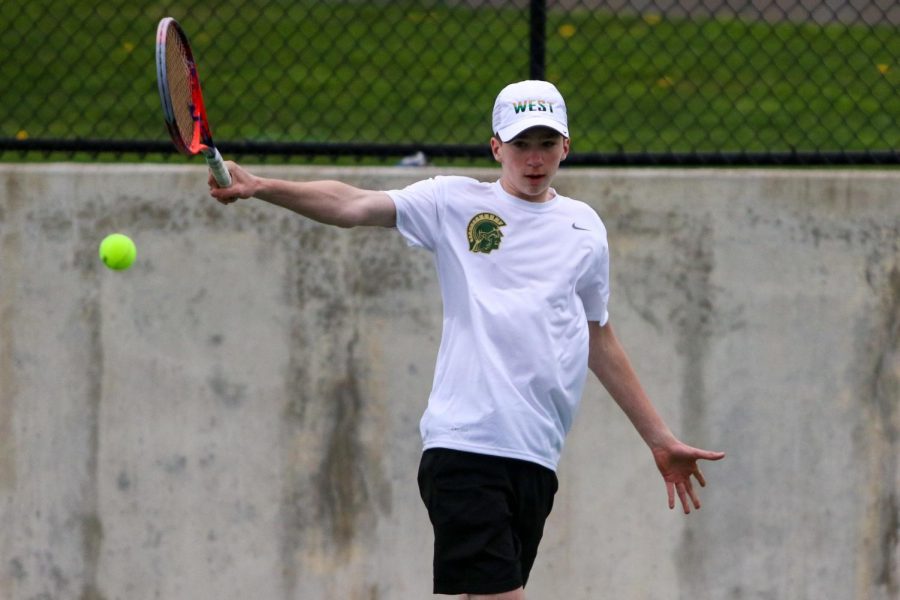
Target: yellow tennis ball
<point x="117" y="251"/>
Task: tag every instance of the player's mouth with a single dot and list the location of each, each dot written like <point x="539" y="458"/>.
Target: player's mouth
<point x="534" y="178"/>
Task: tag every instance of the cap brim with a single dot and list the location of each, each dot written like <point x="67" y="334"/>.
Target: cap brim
<point x="508" y="133"/>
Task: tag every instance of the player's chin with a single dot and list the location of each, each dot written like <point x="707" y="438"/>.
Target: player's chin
<point x="534" y="186"/>
<point x="538" y="186"/>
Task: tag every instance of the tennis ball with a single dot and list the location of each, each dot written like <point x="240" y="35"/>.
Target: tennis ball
<point x="117" y="251"/>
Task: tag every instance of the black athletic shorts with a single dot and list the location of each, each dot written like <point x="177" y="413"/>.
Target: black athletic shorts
<point x="488" y="514"/>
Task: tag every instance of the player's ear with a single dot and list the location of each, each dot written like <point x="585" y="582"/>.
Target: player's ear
<point x="496" y="148"/>
<point x="566" y="145"/>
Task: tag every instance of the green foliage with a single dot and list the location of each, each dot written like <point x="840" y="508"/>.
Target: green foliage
<point x="427" y="72"/>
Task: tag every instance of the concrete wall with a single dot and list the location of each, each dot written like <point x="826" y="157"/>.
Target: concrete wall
<point x="236" y="416"/>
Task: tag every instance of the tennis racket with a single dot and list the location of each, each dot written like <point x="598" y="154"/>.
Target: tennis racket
<point x="182" y="100"/>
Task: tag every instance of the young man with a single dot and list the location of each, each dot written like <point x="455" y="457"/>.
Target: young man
<point x="524" y="276"/>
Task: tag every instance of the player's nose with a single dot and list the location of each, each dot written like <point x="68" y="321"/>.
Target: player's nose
<point x="535" y="158"/>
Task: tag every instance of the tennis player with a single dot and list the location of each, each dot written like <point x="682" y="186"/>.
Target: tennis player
<point x="524" y="276"/>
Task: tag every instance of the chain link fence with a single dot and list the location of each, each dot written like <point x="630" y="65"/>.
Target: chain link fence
<point x="647" y="82"/>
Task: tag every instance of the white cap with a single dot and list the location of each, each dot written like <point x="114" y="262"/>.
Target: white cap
<point x="526" y="104"/>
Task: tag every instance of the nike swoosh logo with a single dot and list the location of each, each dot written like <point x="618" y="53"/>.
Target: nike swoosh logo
<point x="574" y="226"/>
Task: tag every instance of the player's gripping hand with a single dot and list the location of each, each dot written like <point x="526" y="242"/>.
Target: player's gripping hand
<point x="243" y="184"/>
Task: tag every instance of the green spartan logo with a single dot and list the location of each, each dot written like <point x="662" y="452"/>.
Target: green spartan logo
<point x="484" y="232"/>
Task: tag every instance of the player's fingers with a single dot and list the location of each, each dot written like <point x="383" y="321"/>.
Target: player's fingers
<point x="693" y="494"/>
<point x="221" y="197"/>
<point x="683" y="497"/>
<point x="670" y="490"/>
<point x="709" y="455"/>
<point x="700" y="479"/>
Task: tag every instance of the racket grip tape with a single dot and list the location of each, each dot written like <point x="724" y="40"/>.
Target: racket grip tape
<point x="219" y="170"/>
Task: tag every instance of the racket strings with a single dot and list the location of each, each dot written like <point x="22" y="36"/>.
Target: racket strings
<point x="179" y="80"/>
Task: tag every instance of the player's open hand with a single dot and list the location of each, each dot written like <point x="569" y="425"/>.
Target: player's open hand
<point x="243" y="184"/>
<point x="677" y="463"/>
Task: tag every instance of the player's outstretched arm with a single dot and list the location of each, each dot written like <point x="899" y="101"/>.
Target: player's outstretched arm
<point x="676" y="461"/>
<point x="329" y="202"/>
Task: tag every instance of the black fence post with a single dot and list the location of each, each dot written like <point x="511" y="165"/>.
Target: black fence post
<point x="537" y="67"/>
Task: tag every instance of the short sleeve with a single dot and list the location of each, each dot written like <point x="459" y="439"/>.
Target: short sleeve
<point x="593" y="289"/>
<point x="418" y="212"/>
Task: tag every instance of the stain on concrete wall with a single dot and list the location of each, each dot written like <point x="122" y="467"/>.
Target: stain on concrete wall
<point x="878" y="374"/>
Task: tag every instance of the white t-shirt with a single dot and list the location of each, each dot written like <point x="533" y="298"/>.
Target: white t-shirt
<point x="519" y="282"/>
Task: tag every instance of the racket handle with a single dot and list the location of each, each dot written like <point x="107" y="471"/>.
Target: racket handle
<point x="219" y="170"/>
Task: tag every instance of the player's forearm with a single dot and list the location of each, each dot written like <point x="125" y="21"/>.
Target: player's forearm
<point x="626" y="390"/>
<point x="611" y="365"/>
<point x="329" y="202"/>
